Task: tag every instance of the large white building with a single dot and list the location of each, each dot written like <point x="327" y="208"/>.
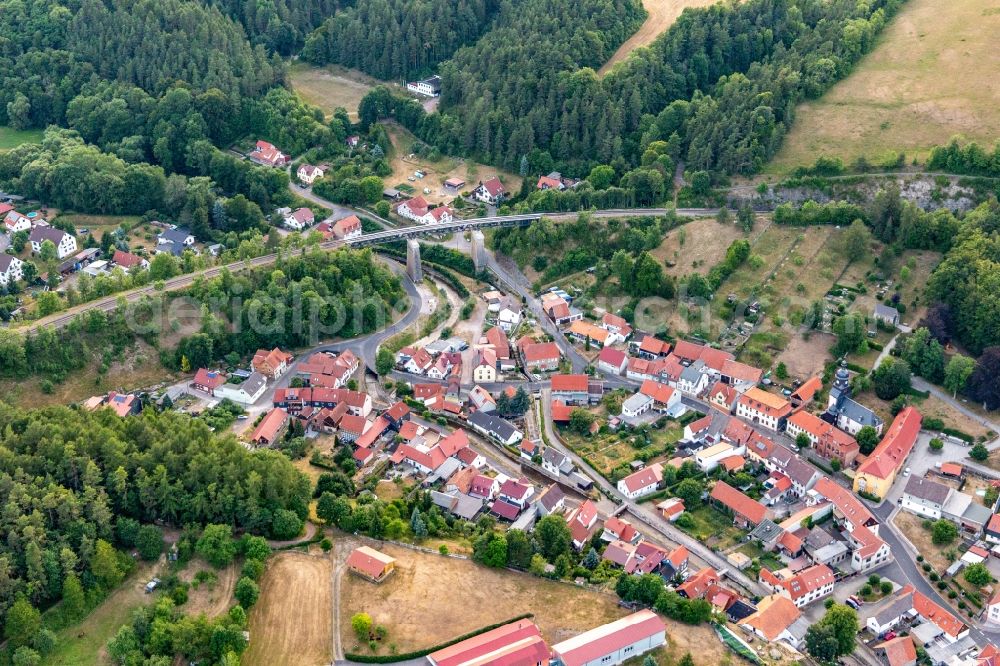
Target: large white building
<point x="64" y="242"/>
<point x="11" y="269"/>
<point x="613" y="643"/>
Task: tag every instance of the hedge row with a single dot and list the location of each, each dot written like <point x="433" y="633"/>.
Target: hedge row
<point x="392" y="658"/>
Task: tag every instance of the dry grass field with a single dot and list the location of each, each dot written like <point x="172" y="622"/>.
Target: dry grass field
<point x="331" y="86"/>
<point x="932" y="76"/>
<point x="696" y="246"/>
<point x="430" y="599"/>
<point x="662" y="14"/>
<point x="292" y="622"/>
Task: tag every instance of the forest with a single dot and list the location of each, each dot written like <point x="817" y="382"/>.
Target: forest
<point x="289" y="304"/>
<point x="400" y="39"/>
<point x="719" y="87"/>
<point x="74" y="485"/>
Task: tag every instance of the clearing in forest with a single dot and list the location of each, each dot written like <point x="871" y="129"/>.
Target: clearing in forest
<point x="932" y="76"/>
<point x="292" y="622"/>
<point x="662" y="14"/>
<point x="331" y="86"/>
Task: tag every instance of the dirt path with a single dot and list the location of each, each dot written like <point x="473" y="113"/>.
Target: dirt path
<point x="662" y="14"/>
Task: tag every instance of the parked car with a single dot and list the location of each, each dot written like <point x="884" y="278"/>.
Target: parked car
<point x="152" y="585"/>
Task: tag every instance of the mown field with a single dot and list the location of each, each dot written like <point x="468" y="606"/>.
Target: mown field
<point x="12" y="138"/>
<point x="932" y="76"/>
<point x="662" y="14"/>
<point x="330" y="87"/>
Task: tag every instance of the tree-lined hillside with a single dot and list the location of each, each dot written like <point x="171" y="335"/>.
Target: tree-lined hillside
<point x="393" y="39"/>
<point x="720" y="86"/>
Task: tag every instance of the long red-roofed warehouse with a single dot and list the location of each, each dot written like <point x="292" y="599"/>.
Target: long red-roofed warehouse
<point x="371" y="564"/>
<point x="518" y="643"/>
<point x="612" y="643"/>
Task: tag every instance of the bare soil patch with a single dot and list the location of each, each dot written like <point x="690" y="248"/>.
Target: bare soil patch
<point x="662" y="14"/>
<point x="430" y="599"/>
<point x="805" y="358"/>
<point x="292" y="623"/>
<point x="931" y="77"/>
<point x="911" y="525"/>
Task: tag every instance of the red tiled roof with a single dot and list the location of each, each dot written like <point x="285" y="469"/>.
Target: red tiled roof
<point x="733" y="463"/>
<point x="369" y="561"/>
<point x="126" y="259"/>
<point x="701" y="424"/>
<point x="895" y="446"/>
<point x="540" y="351"/>
<point x="696" y="586"/>
<point x="660" y="393"/>
<point x="951" y="469"/>
<point x="613" y="357"/>
<point x="900" y="651"/>
<point x="930" y="611"/>
<point x="775" y="613"/>
<point x="560" y="411"/>
<point x="505" y="509"/>
<point x="808" y="390"/>
<point x="621" y="528"/>
<point x="741" y="371"/>
<point x="573" y="383"/>
<point x="738" y="503"/>
<point x="494" y="186"/>
<point x="644" y="478"/>
<point x="269" y="427"/>
<point x="371" y="435"/>
<point x="210" y="378"/>
<point x="654" y="346"/>
<point x="809" y="580"/>
<point x="398" y="411"/>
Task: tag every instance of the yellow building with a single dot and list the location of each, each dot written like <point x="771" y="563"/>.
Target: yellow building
<point x="876" y="474"/>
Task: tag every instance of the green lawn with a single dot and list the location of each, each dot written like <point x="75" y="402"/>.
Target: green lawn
<point x="12" y="138"/>
<point x="714" y="528"/>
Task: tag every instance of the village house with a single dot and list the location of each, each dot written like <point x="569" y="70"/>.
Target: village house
<point x="294" y="400"/>
<point x="270" y="428"/>
<point x="828" y="441"/>
<point x="671" y="508"/>
<point x="490" y="192"/>
<point x="496" y="339"/>
<point x="617" y="325"/>
<point x="484" y="366"/>
<point x="612" y="361"/>
<point x="558" y="310"/>
<point x="266" y="154"/>
<point x="644" y="482"/>
<point x="11" y="269"/>
<point x="777" y="619"/>
<point x="722" y="396"/>
<point x="763" y="408"/>
<point x="309" y="174"/>
<point x="539" y="356"/>
<point x="272" y="364"/>
<point x="582" y="521"/>
<point x="174" y="241"/>
<point x="582" y="331"/>
<point x="64" y="242"/>
<point x="651" y="348"/>
<point x="876" y="474"/>
<point x="495" y="428"/>
<point x="740" y="375"/>
<point x="556" y="463"/>
<point x="710" y="457"/>
<point x="127" y="261"/>
<point x="299" y="219"/>
<point x="571" y="389"/>
<point x="208" y="380"/>
<point x="246" y="392"/>
<point x="347" y="227"/>
<point x="14" y="222"/>
<point x="802" y="588"/>
<point x="508" y="315"/>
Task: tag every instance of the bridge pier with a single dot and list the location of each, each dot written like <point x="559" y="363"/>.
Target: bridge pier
<point x="413" y="260"/>
<point x="478" y="251"/>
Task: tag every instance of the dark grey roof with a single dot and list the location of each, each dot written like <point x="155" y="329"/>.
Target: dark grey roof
<point x="495" y="425"/>
<point x="897" y="608"/>
<point x="799" y="471"/>
<point x="175" y="249"/>
<point x="5" y="261"/>
<point x="254" y="383"/>
<point x="768" y="530"/>
<point x="859" y="413"/>
<point x="178" y="235"/>
<point x="554" y="457"/>
<point x="977" y="513"/>
<point x="925" y="489"/>
<point x="882" y="310"/>
<point x="40" y="234"/>
<point x="551" y="497"/>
